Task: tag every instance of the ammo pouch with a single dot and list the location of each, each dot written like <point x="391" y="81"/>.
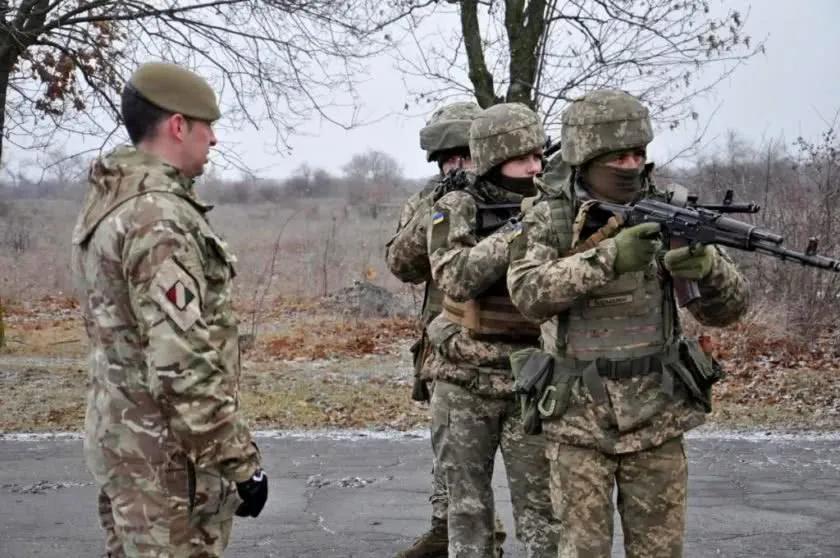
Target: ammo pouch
<point x="698" y="371"/>
<point x="542" y="393"/>
<point x="419" y="353"/>
<point x="491" y="317"/>
<point x="685" y="359"/>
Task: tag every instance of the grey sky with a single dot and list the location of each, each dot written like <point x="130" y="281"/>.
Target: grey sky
<point x="792" y="90"/>
<point x="789" y="91"/>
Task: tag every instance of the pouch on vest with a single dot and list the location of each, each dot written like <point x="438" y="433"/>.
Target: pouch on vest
<point x="490" y="317"/>
<point x="541" y="393"/>
<point x="420" y="352"/>
<point x="698" y="371"/>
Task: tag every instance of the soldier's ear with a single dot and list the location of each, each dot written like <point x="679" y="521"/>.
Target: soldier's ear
<point x="177" y="127"/>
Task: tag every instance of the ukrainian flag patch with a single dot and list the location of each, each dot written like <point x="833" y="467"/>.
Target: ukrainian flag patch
<point x="438" y="218"/>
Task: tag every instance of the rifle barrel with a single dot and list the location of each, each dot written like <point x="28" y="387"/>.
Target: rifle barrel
<point x="821" y="262"/>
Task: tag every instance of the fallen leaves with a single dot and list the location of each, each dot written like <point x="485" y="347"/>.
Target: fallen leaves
<point x="777" y="378"/>
<point x="327" y="337"/>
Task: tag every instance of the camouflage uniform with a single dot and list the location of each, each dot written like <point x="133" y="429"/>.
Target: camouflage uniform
<point x="406" y="252"/>
<point x="473" y="409"/>
<point x="407" y="257"/>
<point x="165" y="440"/>
<point x="408" y="260"/>
<point x="623" y="424"/>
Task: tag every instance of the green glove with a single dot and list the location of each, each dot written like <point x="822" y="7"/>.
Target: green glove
<point x="686" y="263"/>
<point x="635" y="247"/>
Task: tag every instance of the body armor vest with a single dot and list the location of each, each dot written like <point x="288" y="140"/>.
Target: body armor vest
<point x="492" y="314"/>
<point x="432" y="304"/>
<point x="629" y="317"/>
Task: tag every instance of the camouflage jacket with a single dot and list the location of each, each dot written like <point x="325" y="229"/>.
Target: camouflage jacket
<point x="544" y="283"/>
<point x="155" y="286"/>
<point x="464" y="265"/>
<point x="406" y="253"/>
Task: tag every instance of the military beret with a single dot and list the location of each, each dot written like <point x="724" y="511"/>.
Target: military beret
<point x="176" y="89"/>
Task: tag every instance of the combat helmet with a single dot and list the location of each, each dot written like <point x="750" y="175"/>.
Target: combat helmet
<point x="601" y="122"/>
<point x="448" y="128"/>
<point x="502" y="132"/>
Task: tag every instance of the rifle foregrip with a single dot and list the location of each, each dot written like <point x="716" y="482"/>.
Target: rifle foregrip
<point x="685" y="290"/>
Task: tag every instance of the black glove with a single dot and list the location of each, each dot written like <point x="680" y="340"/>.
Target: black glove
<point x="254" y="493"/>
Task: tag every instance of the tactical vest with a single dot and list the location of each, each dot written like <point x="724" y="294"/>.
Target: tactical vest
<point x="492" y="314"/>
<point x="432" y="303"/>
<point x="629" y="317"/>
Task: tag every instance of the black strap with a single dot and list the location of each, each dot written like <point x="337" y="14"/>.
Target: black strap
<point x="592" y="371"/>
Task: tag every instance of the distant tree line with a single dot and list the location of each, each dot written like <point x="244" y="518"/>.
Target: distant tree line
<point x="371" y="177"/>
<point x="796" y="183"/>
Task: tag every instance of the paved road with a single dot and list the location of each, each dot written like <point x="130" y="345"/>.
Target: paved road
<point x="776" y="497"/>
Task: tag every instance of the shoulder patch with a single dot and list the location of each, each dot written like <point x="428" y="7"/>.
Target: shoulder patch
<point x="177" y="294"/>
<point x="440" y="230"/>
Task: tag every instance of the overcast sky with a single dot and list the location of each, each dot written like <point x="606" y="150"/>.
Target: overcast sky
<point x="791" y="90"/>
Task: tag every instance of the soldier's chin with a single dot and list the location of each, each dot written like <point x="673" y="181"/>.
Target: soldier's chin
<point x="198" y="170"/>
<point x="193" y="172"/>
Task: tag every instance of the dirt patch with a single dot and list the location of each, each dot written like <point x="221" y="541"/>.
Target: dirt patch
<point x="351" y="393"/>
<point x="366" y="300"/>
<point x="42" y="399"/>
<point x="308" y="397"/>
<point x="47" y="327"/>
<point x="311" y="369"/>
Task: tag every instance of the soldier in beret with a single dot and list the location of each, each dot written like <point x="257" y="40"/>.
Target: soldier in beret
<point x="165" y="439"/>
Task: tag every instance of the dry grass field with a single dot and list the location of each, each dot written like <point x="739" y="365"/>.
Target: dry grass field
<point x="325" y="362"/>
<point x="316" y="247"/>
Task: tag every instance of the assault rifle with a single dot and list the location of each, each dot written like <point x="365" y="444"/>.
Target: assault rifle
<point x="550" y="148"/>
<point x="697" y="224"/>
<point x="491" y="216"/>
<point x="456" y="179"/>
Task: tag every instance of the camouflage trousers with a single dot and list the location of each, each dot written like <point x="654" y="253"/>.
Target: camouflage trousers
<point x="178" y="514"/>
<point x="440" y="496"/>
<point x="440" y="502"/>
<point x="467" y="430"/>
<point x="651" y="499"/>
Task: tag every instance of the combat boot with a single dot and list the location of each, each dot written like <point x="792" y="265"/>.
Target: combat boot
<point x="500" y="536"/>
<point x="434" y="543"/>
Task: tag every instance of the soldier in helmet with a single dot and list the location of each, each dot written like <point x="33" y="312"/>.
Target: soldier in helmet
<point x="473" y="407"/>
<point x="620" y="395"/>
<point x="445" y="139"/>
<point x="165" y="439"/>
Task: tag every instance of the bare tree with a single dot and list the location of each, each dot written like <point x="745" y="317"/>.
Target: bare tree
<point x="546" y="52"/>
<point x="798" y="191"/>
<point x="373" y="166"/>
<point x="63" y="63"/>
<point x="372" y="178"/>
